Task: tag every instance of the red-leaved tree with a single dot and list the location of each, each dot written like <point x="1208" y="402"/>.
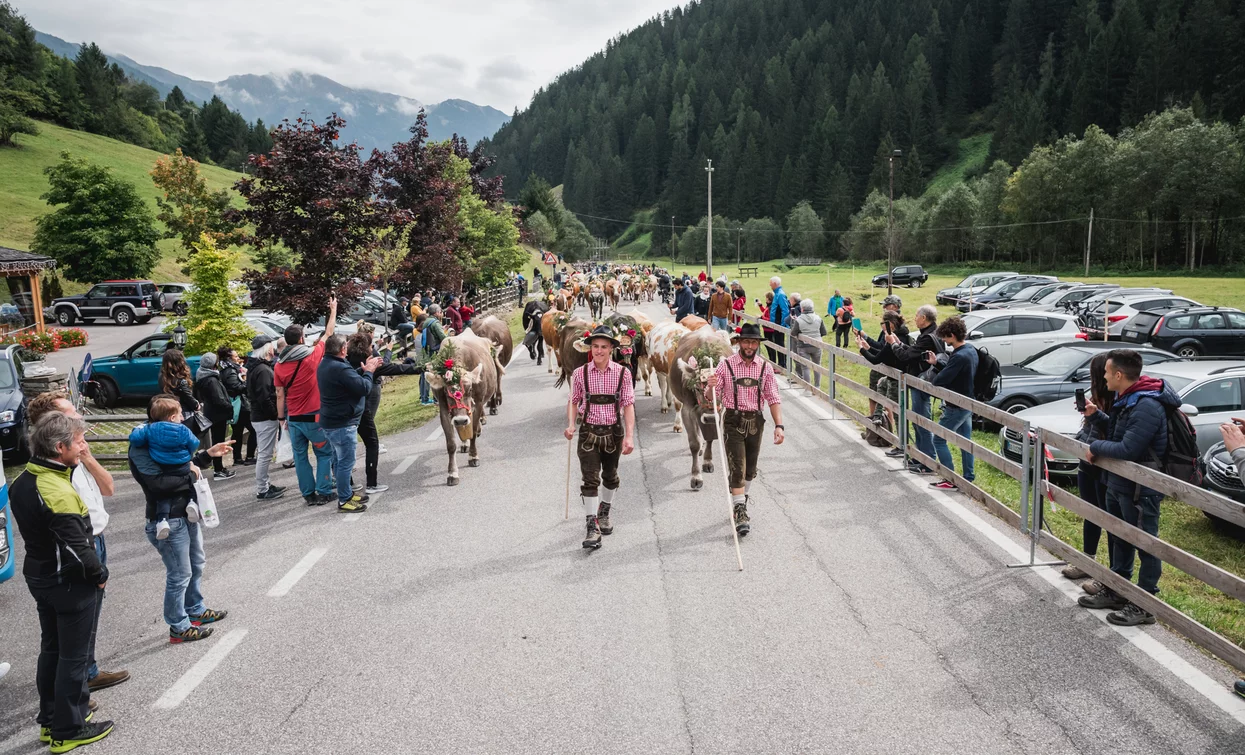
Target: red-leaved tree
<point x="318" y="199"/>
<point x="415" y="189"/>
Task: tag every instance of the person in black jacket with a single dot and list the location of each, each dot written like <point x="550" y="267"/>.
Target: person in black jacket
<point x="63" y="573"/>
<point x="217" y="407"/>
<point x="1136" y="431"/>
<point x="955" y="373"/>
<point x="400" y="318"/>
<point x="359" y="349"/>
<point x="234" y="379"/>
<point x="182" y="551"/>
<point x="343" y="398"/>
<point x="914" y="362"/>
<point x="879" y="352"/>
<point x="261" y="393"/>
<point x="1091" y="481"/>
<point x="175" y="380"/>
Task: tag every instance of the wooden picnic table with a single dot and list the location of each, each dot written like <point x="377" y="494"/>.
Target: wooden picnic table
<point x="747" y="272"/>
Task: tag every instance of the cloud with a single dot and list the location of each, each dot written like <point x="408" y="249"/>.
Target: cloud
<point x="411" y="50"/>
<point x="407" y="106"/>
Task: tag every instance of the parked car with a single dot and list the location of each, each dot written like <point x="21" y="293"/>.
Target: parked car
<point x="911" y="276"/>
<point x="1002" y="291"/>
<point x="1056" y="373"/>
<point x="12" y="405"/>
<point x="134" y="373"/>
<point x="1114" y="312"/>
<point x="124" y="301"/>
<point x="1201" y="331"/>
<point x="970" y="286"/>
<point x="1012" y="337"/>
<point x="1211" y="391"/>
<point x="1069" y="300"/>
<point x="1220" y="474"/>
<point x="1038" y="296"/>
<point x="174" y="297"/>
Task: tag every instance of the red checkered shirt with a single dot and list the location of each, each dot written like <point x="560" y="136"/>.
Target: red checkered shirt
<point x="602" y="381"/>
<point x="759" y="369"/>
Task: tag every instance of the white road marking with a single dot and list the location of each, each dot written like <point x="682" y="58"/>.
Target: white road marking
<point x="405" y="465"/>
<point x="436" y="433"/>
<point x="182" y="688"/>
<point x="298" y="572"/>
<point x="352" y="517"/>
<point x="1201" y="683"/>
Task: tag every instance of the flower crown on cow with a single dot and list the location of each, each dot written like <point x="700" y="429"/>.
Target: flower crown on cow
<point x="446" y="366"/>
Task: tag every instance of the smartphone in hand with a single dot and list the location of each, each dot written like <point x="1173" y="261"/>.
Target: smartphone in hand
<point x="856" y="324"/>
<point x="1080" y="400"/>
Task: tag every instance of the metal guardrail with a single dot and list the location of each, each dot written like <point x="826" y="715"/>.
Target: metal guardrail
<point x="1033" y="487"/>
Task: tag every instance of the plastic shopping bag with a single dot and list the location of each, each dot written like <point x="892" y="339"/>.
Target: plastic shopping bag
<point x="207" y="504"/>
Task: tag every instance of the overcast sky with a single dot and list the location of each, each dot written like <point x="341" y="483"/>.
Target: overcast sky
<point x="491" y="52"/>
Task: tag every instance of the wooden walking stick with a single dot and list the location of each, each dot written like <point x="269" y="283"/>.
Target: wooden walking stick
<point x="730" y="504"/>
<point x="570" y="442"/>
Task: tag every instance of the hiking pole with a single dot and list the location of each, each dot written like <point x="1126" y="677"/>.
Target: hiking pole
<point x="569" y="442"/>
<point x="730" y="504"/>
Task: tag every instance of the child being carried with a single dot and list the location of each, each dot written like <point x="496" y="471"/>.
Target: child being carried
<point x="171" y="445"/>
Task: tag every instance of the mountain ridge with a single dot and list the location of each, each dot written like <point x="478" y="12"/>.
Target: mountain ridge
<point x="374" y="119"/>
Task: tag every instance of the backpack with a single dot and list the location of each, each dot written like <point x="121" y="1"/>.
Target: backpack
<point x="988" y="378"/>
<point x="1181" y="458"/>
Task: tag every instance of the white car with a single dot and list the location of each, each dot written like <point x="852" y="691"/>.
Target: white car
<point x="1116" y="311"/>
<point x="972" y="285"/>
<point x="1013" y="337"/>
<point x="1038" y="296"/>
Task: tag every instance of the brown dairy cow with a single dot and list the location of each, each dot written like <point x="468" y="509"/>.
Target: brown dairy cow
<point x="612" y="293"/>
<point x="686" y="384"/>
<point x="463" y="415"/>
<point x="551" y="330"/>
<point x="693" y="322"/>
<point x="497" y="333"/>
<point x="570" y="358"/>
<point x="646" y="364"/>
<point x="663" y="340"/>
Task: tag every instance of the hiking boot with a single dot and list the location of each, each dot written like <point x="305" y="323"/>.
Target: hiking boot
<point x="593" y="538"/>
<point x="271" y="494"/>
<point x="603" y="519"/>
<point x="1239" y="688"/>
<point x="1073" y="572"/>
<point x="356" y="505"/>
<point x="742" y="522"/>
<point x="1130" y="616"/>
<point x="224" y="474"/>
<point x="315" y="499"/>
<point x="192" y="634"/>
<point x="107" y="679"/>
<point x="91" y="732"/>
<point x="1093" y="587"/>
<point x="1106" y="598"/>
<point x="208" y="617"/>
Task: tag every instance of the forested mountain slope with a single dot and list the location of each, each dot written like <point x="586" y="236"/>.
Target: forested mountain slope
<point x="805" y="99"/>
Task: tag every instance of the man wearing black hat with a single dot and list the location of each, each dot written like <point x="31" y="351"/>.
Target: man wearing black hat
<point x="261" y="391"/>
<point x="746" y="383"/>
<point x="602" y="397"/>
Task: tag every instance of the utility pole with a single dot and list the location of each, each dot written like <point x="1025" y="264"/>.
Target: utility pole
<point x="672" y="245"/>
<point x="709" y="247"/>
<point x="1089" y="241"/>
<point x="738" y="260"/>
<point x="890" y="223"/>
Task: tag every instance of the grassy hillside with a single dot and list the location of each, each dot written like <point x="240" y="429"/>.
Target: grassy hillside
<point x="970" y="159"/>
<point x="22" y="182"/>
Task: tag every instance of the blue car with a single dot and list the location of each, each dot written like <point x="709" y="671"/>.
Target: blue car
<point x="132" y="374"/>
<point x="12" y="405"/>
<point x="7" y="562"/>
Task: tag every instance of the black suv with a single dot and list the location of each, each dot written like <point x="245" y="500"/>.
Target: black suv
<point x="125" y="301"/>
<point x="1191" y="331"/>
<point x="911" y="276"/>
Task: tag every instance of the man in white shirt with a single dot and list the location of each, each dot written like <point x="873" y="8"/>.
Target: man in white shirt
<point x="92" y="482"/>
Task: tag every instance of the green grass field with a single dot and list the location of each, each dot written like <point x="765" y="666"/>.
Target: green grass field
<point x="22" y="182"/>
<point x="970" y="159"/>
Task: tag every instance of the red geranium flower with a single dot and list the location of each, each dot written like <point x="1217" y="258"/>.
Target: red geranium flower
<point x="587" y="333"/>
<point x="449" y="364"/>
<point x="631" y="333"/>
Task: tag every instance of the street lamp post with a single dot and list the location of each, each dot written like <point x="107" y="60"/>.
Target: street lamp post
<point x="890" y="223"/>
<point x="179" y="337"/>
<point x="709" y="246"/>
<point x="672" y="245"/>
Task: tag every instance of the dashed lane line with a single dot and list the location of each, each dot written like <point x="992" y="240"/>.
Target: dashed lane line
<point x="182" y="688"/>
<point x="286" y="583"/>
<point x="405" y="464"/>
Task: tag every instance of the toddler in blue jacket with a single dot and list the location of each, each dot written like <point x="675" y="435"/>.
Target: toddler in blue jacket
<point x="171" y="445"/>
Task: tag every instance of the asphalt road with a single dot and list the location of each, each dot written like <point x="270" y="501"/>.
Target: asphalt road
<point x="871" y="617"/>
<point x="105" y="338"/>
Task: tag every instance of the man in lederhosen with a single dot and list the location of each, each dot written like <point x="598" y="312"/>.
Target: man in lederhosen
<point x="603" y="398"/>
<point x="746" y="382"/>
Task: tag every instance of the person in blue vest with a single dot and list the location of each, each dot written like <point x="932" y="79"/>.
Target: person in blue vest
<point x="779" y="314"/>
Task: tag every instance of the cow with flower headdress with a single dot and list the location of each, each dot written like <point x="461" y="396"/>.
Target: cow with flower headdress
<point x="464" y="377"/>
<point x="630" y="335"/>
<point x="696" y="357"/>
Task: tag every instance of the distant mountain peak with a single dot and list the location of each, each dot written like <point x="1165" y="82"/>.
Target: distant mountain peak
<point x="373" y="119"/>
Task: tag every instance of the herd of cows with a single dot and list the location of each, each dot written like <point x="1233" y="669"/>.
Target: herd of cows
<point x="662" y="350"/>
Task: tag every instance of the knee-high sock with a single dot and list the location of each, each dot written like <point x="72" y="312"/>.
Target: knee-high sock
<point x="591" y="504"/>
<point x="747" y="487"/>
<point x="737" y="499"/>
<point x="607" y="495"/>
